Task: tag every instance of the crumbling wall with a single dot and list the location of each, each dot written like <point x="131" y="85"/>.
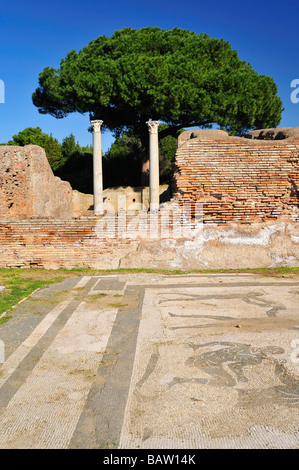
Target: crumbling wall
<point x="28" y="188"/>
<point x="237" y="179"/>
<point x="125" y="198"/>
<point x="277" y="133"/>
<point x="81" y="243"/>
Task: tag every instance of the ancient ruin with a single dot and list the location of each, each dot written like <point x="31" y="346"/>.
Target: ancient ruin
<point x="154" y="165"/>
<point x="28" y="188"/>
<point x="238" y="179"/>
<point x="97" y="168"/>
<point x="247" y="188"/>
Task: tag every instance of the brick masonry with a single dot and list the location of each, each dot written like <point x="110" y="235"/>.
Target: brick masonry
<point x="238" y="179"/>
<point x="80" y="244"/>
<point x="249" y="191"/>
<point x="28" y="188"/>
<point x="58" y="244"/>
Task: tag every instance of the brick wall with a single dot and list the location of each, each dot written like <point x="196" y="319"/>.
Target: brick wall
<point x="80" y="244"/>
<point x="238" y="179"/>
<point x="28" y="187"/>
<point x="58" y="244"/>
<point x="249" y="188"/>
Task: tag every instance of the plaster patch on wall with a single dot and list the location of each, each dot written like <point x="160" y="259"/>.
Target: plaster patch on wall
<point x="234" y="237"/>
<point x="263" y="238"/>
<point x="75" y="244"/>
<point x="282" y="261"/>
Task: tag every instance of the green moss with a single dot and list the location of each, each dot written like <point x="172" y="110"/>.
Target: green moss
<point x="4" y="319"/>
<point x="118" y="305"/>
<point x="20" y="283"/>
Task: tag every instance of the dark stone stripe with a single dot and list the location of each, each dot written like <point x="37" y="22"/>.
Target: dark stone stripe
<point x="26" y="366"/>
<point x="101" y="420"/>
<point x="110" y="284"/>
<point x="24" y="317"/>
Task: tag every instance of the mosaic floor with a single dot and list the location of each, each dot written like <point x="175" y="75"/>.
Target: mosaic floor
<point x="155" y="362"/>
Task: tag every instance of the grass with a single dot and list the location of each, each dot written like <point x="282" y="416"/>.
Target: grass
<point x="20" y="283"/>
<point x="98" y="296"/>
<point x="4" y="319"/>
<point x="264" y="271"/>
<point x="118" y="305"/>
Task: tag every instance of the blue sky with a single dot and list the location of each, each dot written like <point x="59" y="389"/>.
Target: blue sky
<point x="37" y="34"/>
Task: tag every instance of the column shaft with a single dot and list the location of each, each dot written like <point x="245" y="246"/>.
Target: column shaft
<point x="97" y="168"/>
<point x="154" y="165"/>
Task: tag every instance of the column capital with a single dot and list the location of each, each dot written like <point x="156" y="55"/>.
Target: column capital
<point x="96" y="125"/>
<point x="153" y="126"/>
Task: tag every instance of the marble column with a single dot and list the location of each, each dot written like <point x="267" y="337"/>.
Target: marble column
<point x="97" y="168"/>
<point x="154" y="165"/>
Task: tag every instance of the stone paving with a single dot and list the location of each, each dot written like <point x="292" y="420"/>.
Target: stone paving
<point x="149" y="361"/>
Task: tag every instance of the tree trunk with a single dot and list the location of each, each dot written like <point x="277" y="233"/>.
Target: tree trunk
<point x="144" y="177"/>
<point x="145" y="173"/>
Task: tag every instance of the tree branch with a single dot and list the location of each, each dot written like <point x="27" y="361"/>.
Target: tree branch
<point x="173" y="129"/>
